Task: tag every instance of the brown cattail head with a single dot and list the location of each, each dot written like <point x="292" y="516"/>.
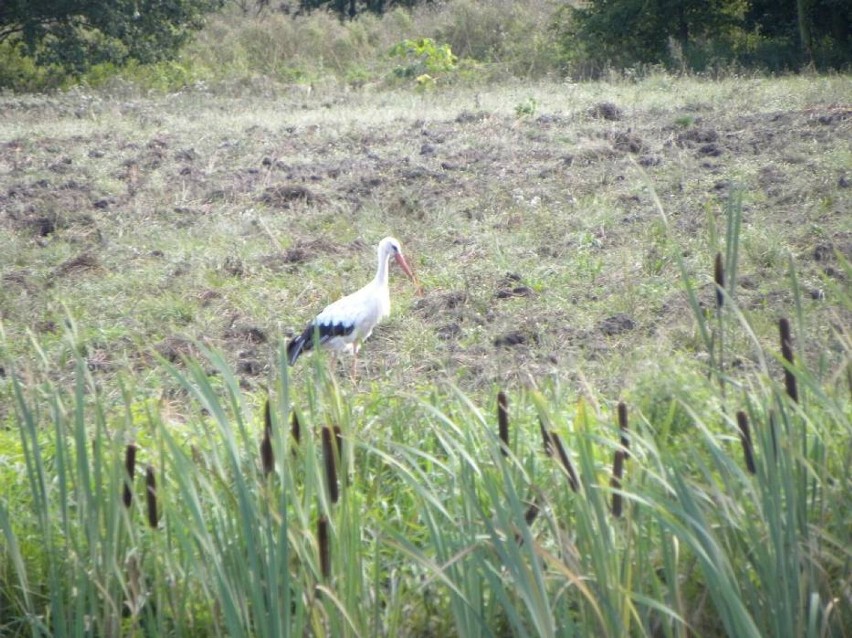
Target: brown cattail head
<point x="130" y="469"/>
<point x="503" y="421"/>
<point x="719" y="278"/>
<point x="615" y="482"/>
<point x="295" y="427"/>
<point x="330" y="465"/>
<point x="745" y="438"/>
<point x="573" y="482"/>
<point x="532" y="513"/>
<point x="529" y="518"/>
<point x="324" y="548"/>
<point x="151" y="493"/>
<point x="787" y="353"/>
<point x="622" y="425"/>
<point x="267" y="457"/>
<point x="545" y="437"/>
<point x="618" y="465"/>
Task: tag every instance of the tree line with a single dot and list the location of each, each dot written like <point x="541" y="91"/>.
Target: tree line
<point x="73" y="35"/>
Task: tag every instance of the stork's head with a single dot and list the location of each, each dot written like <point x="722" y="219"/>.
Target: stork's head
<point x="389" y="247"/>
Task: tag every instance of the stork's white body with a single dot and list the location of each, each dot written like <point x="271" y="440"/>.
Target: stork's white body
<point x="344" y="325"/>
<point x="363" y="309"/>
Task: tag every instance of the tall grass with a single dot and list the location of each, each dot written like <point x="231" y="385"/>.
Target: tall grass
<point x="420" y="515"/>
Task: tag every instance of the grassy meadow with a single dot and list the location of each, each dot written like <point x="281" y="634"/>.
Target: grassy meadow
<point x="581" y="246"/>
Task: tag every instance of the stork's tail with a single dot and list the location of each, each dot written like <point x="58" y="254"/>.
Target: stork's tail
<point x="300" y="344"/>
<point x="294" y="348"/>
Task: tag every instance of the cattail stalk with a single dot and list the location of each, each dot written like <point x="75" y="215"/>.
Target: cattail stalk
<point x="151" y="493"/>
<point x="267" y="416"/>
<point x="324" y="547"/>
<point x="615" y="482"/>
<point x="787" y="353"/>
<point x="772" y="427"/>
<point x="338" y="438"/>
<point x="719" y="278"/>
<point x="622" y="425"/>
<point x="330" y="465"/>
<point x="130" y="469"/>
<point x="745" y="438"/>
<point x="573" y="482"/>
<point x="503" y="421"/>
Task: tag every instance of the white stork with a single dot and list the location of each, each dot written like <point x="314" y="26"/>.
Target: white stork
<point x="346" y="323"/>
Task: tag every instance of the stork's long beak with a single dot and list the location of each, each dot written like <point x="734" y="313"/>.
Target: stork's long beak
<point x="407" y="270"/>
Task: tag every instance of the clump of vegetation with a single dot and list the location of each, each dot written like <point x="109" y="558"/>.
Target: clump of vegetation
<point x="422" y="57"/>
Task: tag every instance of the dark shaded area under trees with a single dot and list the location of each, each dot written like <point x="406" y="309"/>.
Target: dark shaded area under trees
<point x="776" y="35"/>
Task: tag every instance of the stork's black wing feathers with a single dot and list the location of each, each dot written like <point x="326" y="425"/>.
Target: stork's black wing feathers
<point x="305" y="341"/>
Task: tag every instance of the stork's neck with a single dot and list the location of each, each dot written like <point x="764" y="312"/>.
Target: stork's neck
<point x="381" y="278"/>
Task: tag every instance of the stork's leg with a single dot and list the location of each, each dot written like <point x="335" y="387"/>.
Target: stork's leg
<point x="354" y="362"/>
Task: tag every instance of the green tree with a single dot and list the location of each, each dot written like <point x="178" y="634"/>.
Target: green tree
<point x="75" y="34"/>
<point x="625" y="32"/>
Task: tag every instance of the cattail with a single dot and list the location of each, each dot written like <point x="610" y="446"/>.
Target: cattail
<point x="566" y="462"/>
<point x="745" y="438"/>
<point x="151" y="492"/>
<point x="787" y="353"/>
<point x="532" y="513"/>
<point x="130" y="469"/>
<point x="545" y="437"/>
<point x="503" y="421"/>
<point x="330" y="465"/>
<point x="615" y="482"/>
<point x="719" y="278"/>
<point x="324" y="548"/>
<point x="267" y="457"/>
<point x="295" y="427"/>
<point x="529" y="518"/>
<point x="622" y="424"/>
